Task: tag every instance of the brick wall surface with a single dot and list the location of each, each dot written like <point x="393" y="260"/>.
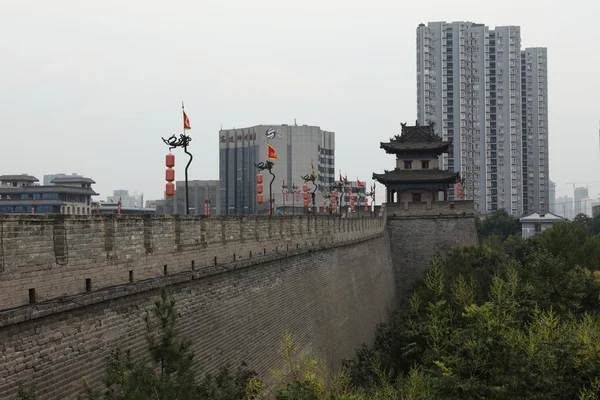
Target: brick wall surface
<point x="415" y="240"/>
<point x="54" y="255"/>
<point x="328" y="281"/>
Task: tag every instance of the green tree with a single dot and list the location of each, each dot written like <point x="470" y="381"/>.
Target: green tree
<point x="499" y="223"/>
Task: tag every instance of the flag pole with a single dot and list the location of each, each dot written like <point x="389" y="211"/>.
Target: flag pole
<point x="187" y="205"/>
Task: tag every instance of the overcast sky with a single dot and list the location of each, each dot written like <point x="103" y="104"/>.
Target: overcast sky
<point x="90" y="87"/>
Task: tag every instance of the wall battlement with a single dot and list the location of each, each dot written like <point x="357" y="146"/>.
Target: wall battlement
<point x="44" y="258"/>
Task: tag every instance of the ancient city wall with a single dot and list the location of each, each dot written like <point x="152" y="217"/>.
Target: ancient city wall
<point x="240" y="283"/>
<point x="418" y="233"/>
<point x="59" y="256"/>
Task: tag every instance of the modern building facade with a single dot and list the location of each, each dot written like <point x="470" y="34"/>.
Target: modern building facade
<point x="564" y="207"/>
<point x="534" y="111"/>
<point x="299" y="149"/>
<point x="201" y="193"/>
<point x="580" y="195"/>
<point x="68" y="195"/>
<point x="469" y="84"/>
<point x="552" y="196"/>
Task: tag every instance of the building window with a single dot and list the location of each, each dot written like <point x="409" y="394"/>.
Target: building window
<point x="407" y="164"/>
<point x="425" y="164"/>
<point x="538" y="227"/>
<point x="416" y="197"/>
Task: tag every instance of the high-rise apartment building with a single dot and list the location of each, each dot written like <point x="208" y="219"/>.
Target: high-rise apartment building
<point x="534" y="111"/>
<point x="469" y="84"/>
<point x="298" y="149"/>
<point x="580" y="195"/>
<point x="564" y="207"/>
<point x="552" y="196"/>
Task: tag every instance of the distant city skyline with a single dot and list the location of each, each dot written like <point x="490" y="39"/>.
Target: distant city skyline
<point x="104" y="101"/>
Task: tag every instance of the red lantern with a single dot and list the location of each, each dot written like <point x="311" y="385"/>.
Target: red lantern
<point x="259" y="188"/>
<point x="170" y="189"/>
<point x="324" y="206"/>
<point x="305" y="202"/>
<point x="287" y="195"/>
<point x="170" y="160"/>
<point x="170" y="175"/>
<point x="305" y="188"/>
<point x="305" y="196"/>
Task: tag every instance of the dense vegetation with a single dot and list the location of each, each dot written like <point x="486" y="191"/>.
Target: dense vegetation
<point x="509" y="319"/>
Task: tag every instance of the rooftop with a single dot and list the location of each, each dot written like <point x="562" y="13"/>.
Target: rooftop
<point x="72" y="179"/>
<point x="549" y="217"/>
<point x="416" y="137"/>
<point x="417" y="176"/>
<point x="22" y="177"/>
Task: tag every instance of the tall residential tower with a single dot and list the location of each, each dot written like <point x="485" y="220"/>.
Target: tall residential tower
<point x="469" y="84"/>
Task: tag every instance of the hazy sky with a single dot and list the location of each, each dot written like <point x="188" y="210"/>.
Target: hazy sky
<point x="90" y="87"/>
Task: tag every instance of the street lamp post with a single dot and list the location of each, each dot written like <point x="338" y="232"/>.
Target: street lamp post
<point x="183" y="141"/>
<point x="338" y="187"/>
<point x="284" y="187"/>
<point x="268" y="165"/>
<point x="311" y="178"/>
<point x="295" y="190"/>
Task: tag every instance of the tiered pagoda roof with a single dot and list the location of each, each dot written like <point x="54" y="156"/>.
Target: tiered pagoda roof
<point x="417" y="138"/>
<point x="414" y="141"/>
<point x="417" y="176"/>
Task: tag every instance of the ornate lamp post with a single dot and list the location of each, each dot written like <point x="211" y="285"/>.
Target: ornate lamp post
<point x="284" y="194"/>
<point x="183" y="141"/>
<point x="295" y="189"/>
<point x="311" y="178"/>
<point x="326" y="197"/>
<point x="338" y="187"/>
<point x="268" y="165"/>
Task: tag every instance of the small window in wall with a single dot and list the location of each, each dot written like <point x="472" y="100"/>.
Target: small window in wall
<point x="425" y="164"/>
<point x="538" y="227"/>
<point x="407" y="164"/>
<point x="416" y="197"/>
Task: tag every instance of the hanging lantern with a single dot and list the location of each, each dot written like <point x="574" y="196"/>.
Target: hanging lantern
<point x="366" y="205"/>
<point x="170" y="175"/>
<point x="351" y="202"/>
<point x="170" y="189"/>
<point x="287" y="195"/>
<point x="259" y="178"/>
<point x="259" y="198"/>
<point x="305" y="202"/>
<point x="305" y="196"/>
<point x="259" y="188"/>
<point x="305" y="188"/>
<point x="170" y="160"/>
<point x="324" y="206"/>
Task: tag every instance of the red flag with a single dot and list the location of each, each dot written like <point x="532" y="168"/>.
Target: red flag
<point x="186" y="121"/>
<point x="341" y="180"/>
<point x="272" y="153"/>
<point x="359" y="183"/>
